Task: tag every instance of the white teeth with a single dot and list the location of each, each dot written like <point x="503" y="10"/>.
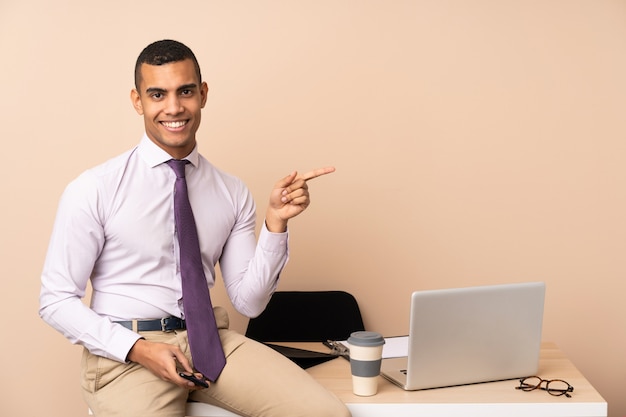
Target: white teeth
<point x="174" y="125"/>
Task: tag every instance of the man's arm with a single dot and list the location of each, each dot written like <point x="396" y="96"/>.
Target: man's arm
<point x="75" y="244"/>
<point x="250" y="268"/>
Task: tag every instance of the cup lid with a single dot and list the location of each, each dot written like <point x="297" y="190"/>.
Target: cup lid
<point x="365" y="338"/>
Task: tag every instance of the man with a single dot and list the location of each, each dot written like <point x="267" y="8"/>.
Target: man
<point x="116" y="227"/>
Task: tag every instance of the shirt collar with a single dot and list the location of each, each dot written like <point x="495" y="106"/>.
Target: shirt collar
<point x="154" y="155"/>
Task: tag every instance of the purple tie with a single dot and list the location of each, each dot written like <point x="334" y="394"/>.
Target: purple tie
<point x="204" y="341"/>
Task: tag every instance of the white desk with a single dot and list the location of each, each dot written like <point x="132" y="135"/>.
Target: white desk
<point x="494" y="399"/>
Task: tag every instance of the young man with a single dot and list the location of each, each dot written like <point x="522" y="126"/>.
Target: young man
<point x="116" y="227"/>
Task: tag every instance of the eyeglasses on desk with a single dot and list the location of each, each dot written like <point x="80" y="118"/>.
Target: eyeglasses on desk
<point x="556" y="387"/>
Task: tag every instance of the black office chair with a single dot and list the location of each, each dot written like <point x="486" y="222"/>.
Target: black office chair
<point x="307" y="316"/>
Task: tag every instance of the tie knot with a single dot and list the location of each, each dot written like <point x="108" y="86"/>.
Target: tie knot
<point x="178" y="165"/>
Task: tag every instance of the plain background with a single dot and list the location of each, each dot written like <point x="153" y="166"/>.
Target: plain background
<point x="476" y="142"/>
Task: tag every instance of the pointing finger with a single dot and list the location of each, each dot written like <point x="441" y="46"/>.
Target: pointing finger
<point x="317" y="173"/>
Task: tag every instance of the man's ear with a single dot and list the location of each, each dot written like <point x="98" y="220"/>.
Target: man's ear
<point x="204" y="92"/>
<point x="135" y="98"/>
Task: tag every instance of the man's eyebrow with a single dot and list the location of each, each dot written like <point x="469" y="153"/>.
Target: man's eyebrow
<point x="189" y="86"/>
<point x="155" y="90"/>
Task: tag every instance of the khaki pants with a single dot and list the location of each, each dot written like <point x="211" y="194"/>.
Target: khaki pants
<point x="256" y="382"/>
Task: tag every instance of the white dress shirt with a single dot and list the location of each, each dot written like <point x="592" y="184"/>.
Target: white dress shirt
<point x="115" y="226"/>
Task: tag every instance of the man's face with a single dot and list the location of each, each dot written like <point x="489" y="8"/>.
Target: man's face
<point x="170" y="98"/>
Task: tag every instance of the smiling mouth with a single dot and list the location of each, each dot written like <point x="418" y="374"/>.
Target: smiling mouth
<point x="174" y="125"/>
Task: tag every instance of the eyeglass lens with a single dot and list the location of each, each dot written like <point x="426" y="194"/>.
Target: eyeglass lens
<point x="554" y="387"/>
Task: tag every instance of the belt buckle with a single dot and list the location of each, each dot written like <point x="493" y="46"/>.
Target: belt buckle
<point x="164" y="328"/>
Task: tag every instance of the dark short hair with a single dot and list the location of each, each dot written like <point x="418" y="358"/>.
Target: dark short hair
<point x="163" y="52"/>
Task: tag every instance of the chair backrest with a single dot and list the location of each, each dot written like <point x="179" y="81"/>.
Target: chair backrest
<point x="307" y="316"/>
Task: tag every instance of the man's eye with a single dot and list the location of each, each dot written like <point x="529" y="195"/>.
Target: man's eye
<point x="156" y="96"/>
<point x="186" y="92"/>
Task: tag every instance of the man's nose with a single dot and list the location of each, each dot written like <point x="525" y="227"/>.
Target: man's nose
<point x="173" y="105"/>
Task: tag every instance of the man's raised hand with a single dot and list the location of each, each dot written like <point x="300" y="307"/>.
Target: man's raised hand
<point x="290" y="197"/>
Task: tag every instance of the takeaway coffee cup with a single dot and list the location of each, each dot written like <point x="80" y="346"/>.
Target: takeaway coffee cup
<point x="366" y="349"/>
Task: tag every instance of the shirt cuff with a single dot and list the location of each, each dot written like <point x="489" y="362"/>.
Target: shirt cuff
<point x="124" y="341"/>
<point x="273" y="242"/>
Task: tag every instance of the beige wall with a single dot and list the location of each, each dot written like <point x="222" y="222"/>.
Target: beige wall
<point x="475" y="142"/>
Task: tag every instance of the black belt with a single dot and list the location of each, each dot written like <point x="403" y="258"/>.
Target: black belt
<point x="166" y="324"/>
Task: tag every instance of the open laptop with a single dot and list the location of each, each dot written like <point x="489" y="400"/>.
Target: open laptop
<point x="470" y="335"/>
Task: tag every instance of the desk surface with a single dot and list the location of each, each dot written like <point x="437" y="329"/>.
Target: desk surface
<point x="495" y="399"/>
